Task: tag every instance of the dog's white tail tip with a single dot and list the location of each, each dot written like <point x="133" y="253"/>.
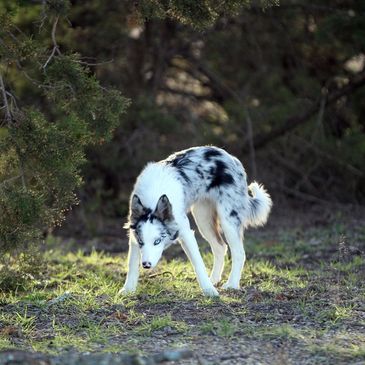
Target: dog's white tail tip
<point x="260" y="204"/>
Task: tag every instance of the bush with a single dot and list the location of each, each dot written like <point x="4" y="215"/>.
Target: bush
<point x="43" y="147"/>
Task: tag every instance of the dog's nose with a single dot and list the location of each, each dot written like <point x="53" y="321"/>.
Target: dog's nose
<point x="146" y="265"/>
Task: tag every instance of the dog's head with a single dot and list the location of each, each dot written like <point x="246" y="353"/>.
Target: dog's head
<point x="153" y="230"/>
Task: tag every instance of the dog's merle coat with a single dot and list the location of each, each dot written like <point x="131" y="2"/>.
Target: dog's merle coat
<point x="212" y="173"/>
<point x="211" y="183"/>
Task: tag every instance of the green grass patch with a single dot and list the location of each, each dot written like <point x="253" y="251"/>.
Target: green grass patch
<point x="67" y="301"/>
<point x="224" y="327"/>
<point x="159" y="323"/>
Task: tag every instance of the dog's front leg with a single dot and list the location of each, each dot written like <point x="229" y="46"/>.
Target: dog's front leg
<point x="131" y="281"/>
<point x="191" y="248"/>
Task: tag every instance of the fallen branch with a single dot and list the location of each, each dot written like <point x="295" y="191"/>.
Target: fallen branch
<point x="161" y="274"/>
<point x="63" y="297"/>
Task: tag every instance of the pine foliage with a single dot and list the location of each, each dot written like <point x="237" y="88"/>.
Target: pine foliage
<point x="43" y="148"/>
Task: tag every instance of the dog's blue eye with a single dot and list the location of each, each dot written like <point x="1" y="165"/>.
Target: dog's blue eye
<point x="157" y="241"/>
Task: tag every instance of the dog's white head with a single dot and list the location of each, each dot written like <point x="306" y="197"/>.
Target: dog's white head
<point x="153" y="230"/>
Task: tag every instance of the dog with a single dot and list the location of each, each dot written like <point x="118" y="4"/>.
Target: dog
<point x="212" y="184"/>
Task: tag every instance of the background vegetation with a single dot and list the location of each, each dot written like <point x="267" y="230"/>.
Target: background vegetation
<point x="92" y="90"/>
<point x="278" y="86"/>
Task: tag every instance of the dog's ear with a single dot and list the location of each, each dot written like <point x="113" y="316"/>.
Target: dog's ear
<point x="137" y="210"/>
<point x="163" y="209"/>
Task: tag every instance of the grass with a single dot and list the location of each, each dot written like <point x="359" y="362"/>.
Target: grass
<point x="159" y="323"/>
<point x="223" y="328"/>
<point x="298" y="290"/>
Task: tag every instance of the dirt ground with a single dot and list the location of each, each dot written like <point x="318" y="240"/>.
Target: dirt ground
<point x="302" y="300"/>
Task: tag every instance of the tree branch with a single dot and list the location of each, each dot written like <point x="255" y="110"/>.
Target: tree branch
<point x="184" y="93"/>
<point x="11" y="179"/>
<point x="101" y="63"/>
<point x="251" y="143"/>
<point x="336" y="160"/>
<point x="54" y="41"/>
<point x="224" y="91"/>
<point x="294" y="121"/>
<point x="8" y="115"/>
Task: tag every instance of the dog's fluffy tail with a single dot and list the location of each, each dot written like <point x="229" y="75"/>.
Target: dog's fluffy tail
<point x="260" y="204"/>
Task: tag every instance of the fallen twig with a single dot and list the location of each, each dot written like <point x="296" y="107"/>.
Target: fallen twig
<point x="160" y="274"/>
<point x="66" y="295"/>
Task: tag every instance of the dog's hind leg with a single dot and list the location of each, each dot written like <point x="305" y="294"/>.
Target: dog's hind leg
<point x="233" y="233"/>
<point x="205" y="216"/>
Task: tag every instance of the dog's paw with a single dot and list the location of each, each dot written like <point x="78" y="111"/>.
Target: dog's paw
<point x="214" y="280"/>
<point x="229" y="286"/>
<point x="126" y="290"/>
<point x="210" y="292"/>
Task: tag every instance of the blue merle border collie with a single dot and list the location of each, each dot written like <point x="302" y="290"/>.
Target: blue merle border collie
<point x="212" y="184"/>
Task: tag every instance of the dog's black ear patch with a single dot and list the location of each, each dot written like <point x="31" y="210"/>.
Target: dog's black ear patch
<point x="137" y="211"/>
<point x="163" y="209"/>
<point x="137" y="208"/>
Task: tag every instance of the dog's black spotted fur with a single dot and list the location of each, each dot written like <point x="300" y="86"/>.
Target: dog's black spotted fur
<point x="211" y="152"/>
<point x="219" y="175"/>
<point x="181" y="162"/>
<point x="210" y="170"/>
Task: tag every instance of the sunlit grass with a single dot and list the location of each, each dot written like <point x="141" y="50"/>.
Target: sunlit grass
<point x="349" y="266"/>
<point x="5" y="343"/>
<point x="223" y="327"/>
<point x="341" y="345"/>
<point x="74" y="296"/>
<point x="282" y="331"/>
<point x="335" y="313"/>
<point x="159" y="323"/>
<point x="273" y="279"/>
